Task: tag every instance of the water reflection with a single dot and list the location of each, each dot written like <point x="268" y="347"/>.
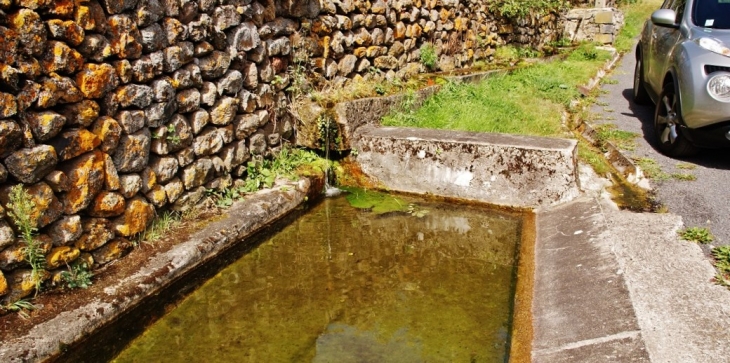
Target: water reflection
<point x="344" y="285"/>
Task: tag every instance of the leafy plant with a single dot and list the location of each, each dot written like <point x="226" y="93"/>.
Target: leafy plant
<point x="520" y="9"/>
<point x="722" y="264"/>
<point x="21" y="306"/>
<point x="21" y="208"/>
<point x="160" y="226"/>
<point x="696" y="234"/>
<point x="77" y="276"/>
<point x="428" y="56"/>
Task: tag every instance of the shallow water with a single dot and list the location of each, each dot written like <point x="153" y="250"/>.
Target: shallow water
<point x="347" y="285"/>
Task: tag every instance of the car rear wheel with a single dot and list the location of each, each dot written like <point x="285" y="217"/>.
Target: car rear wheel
<point x="641" y="97"/>
<point x="667" y="121"/>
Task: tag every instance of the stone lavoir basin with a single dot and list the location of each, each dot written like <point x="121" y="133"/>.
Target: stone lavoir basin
<point x="428" y="282"/>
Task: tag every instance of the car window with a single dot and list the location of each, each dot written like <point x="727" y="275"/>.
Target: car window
<point x="711" y="13"/>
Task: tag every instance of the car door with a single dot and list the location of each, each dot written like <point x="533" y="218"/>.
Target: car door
<point x="662" y="42"/>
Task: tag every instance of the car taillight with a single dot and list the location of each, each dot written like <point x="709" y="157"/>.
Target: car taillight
<point x="719" y="87"/>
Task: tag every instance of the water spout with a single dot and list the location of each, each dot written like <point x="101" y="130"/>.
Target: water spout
<point x="329" y="190"/>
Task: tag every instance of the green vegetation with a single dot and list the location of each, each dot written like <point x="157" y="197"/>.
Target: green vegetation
<point x="722" y="264"/>
<point x="428" y="56"/>
<point x="529" y="100"/>
<point x="21" y="306"/>
<point x="651" y="169"/>
<point x="696" y="234"/>
<point x="160" y="226"/>
<point x="683" y="176"/>
<point x="635" y="14"/>
<point x="21" y="209"/>
<point x="77" y="276"/>
<point x="686" y="166"/>
<point x="521" y="9"/>
<point x="621" y="139"/>
<point x="381" y="203"/>
<point x="594" y="158"/>
<point x="262" y="173"/>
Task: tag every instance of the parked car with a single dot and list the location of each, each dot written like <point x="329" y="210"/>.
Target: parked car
<point x="683" y="67"/>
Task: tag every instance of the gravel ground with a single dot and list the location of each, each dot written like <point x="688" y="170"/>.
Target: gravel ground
<point x="701" y="202"/>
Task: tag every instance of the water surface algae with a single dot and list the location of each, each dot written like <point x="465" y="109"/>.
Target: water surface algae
<point x="343" y="284"/>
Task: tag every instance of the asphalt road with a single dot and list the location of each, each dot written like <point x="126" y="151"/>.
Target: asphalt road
<point x="704" y="202"/>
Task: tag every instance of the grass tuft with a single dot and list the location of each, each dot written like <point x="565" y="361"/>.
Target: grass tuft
<point x="696" y="234"/>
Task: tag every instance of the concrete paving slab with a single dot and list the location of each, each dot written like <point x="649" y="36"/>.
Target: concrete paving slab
<point x="581" y="299"/>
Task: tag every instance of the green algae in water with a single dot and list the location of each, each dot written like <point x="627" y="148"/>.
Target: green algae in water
<point x="377" y="202"/>
<point x="347" y="285"/>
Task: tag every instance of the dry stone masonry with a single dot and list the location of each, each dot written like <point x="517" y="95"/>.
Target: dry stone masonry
<point x="113" y="110"/>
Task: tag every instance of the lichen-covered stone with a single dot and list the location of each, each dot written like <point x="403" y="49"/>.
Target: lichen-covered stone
<point x="9" y="45"/>
<point x="108" y="131"/>
<point x="176" y="56"/>
<point x="165" y="167"/>
<point x="45" y="124"/>
<point x="81" y="114"/>
<point x="198" y="120"/>
<point x="61" y="256"/>
<point x="198" y="173"/>
<point x="214" y="65"/>
<point x="107" y="204"/>
<point x="148" y="67"/>
<point x="111" y="177"/>
<point x="149" y="12"/>
<point x="174" y="30"/>
<point x="174" y="189"/>
<point x="86" y="179"/>
<point x="30" y="165"/>
<point x="257" y="144"/>
<point x="3" y="284"/>
<point x="22" y="283"/>
<point x="173" y="137"/>
<point x="230" y="83"/>
<point x="124" y="70"/>
<point x="131" y="121"/>
<point x="67" y="30"/>
<point x="95" y="47"/>
<point x="149" y="179"/>
<point x="208" y="94"/>
<point x="130" y="184"/>
<point x="160" y="113"/>
<point x="7" y="235"/>
<point x="157" y="196"/>
<point x="153" y="38"/>
<point x="59" y="57"/>
<point x="10" y="137"/>
<point x="65" y="230"/>
<point x="133" y="151"/>
<point x="189" y="199"/>
<point x="8" y="105"/>
<point x="134" y="95"/>
<point x="72" y="143"/>
<point x="124" y="37"/>
<point x="188" y="100"/>
<point x="30" y="30"/>
<point x="138" y="214"/>
<point x="96" y="233"/>
<point x="234" y="154"/>
<point x="223" y="111"/>
<point x="209" y="142"/>
<point x="58" y="181"/>
<point x="113" y="250"/>
<point x="95" y="80"/>
<point x="56" y="89"/>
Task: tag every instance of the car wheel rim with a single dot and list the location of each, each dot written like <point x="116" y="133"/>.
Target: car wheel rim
<point x="667" y="120"/>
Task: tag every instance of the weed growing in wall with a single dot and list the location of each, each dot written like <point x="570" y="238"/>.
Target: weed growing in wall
<point x="21" y="307"/>
<point x="20" y="209"/>
<point x="520" y="9"/>
<point x="77" y="276"/>
<point x="428" y="56"/>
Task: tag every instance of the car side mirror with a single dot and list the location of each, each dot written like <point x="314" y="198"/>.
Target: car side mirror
<point x="665" y="17"/>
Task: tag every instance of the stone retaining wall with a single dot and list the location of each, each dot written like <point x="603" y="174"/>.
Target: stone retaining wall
<point x="113" y="110"/>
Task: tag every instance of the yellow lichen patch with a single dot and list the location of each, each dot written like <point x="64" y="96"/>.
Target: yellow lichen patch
<point x="61" y="256"/>
<point x="94" y="80"/>
<point x="86" y="178"/>
<point x="136" y="217"/>
<point x="3" y="284"/>
<point x="107" y="204"/>
<point x="112" y="250"/>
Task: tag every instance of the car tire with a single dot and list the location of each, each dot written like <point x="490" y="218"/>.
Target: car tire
<point x="641" y="97"/>
<point x="667" y="122"/>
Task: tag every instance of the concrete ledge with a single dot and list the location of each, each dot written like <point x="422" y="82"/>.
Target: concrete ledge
<point x="506" y="170"/>
<point x="47" y="339"/>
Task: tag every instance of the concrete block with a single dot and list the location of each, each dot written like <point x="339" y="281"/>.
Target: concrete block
<point x="604" y="17"/>
<point x="507" y="170"/>
<point x="604" y="38"/>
